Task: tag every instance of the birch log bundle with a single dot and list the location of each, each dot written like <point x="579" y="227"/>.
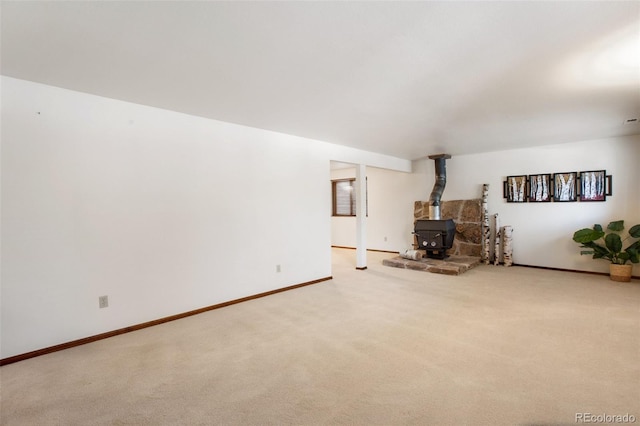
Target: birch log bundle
<point x="486" y="229"/>
<point x="507" y="232"/>
<point x="496" y="248"/>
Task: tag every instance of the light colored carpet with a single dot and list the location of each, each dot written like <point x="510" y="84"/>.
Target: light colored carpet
<point x="384" y="346"/>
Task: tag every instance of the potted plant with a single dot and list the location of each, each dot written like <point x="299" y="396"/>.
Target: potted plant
<point x="609" y="245"/>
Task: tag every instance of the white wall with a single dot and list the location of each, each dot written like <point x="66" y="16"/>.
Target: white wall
<point x="161" y="211"/>
<point x="543" y="231"/>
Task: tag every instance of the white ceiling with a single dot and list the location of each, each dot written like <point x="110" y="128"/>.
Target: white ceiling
<point x="406" y="79"/>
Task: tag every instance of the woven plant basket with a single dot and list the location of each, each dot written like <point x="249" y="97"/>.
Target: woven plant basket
<point x="621" y="273"/>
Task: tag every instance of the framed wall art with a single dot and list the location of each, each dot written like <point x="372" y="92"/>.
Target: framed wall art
<point x="565" y="186"/>
<point x="595" y="185"/>
<point x="540" y="188"/>
<point x="589" y="185"/>
<point x="515" y="189"/>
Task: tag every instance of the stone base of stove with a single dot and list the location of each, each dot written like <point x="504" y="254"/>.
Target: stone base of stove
<point x="452" y="265"/>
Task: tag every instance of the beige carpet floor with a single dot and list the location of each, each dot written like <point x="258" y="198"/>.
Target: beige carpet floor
<point x="385" y="346"/>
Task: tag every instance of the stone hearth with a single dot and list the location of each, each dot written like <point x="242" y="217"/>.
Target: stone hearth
<point x="467" y="245"/>
<point x="453" y="265"/>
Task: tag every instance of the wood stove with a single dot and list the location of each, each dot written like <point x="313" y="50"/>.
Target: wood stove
<point x="436" y="235"/>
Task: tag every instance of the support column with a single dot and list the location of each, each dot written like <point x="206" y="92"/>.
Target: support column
<point x="361" y="216"/>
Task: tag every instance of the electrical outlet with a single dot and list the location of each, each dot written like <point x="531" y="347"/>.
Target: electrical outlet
<point x="103" y="301"/>
<point x="278" y="269"/>
<point x="385" y="239"/>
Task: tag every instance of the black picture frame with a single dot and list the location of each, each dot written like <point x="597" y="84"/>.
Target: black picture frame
<point x="540" y="188"/>
<point x="565" y="186"/>
<point x="515" y="189"/>
<point x="595" y="185"/>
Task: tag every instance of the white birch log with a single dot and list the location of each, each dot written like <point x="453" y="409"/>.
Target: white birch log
<point x="486" y="229"/>
<point x="496" y="248"/>
<point x="411" y="254"/>
<point x="507" y="235"/>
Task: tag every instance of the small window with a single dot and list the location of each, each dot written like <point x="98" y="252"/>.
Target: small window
<point x="344" y="197"/>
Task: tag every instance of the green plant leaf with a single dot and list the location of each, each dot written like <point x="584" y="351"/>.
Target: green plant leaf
<point x="617" y="225"/>
<point x="613" y="242"/>
<point x="587" y="235"/>
<point x="598" y="251"/>
<point x="635" y="231"/>
<point x="634" y="256"/>
<point x="634" y="246"/>
<point x="601" y="250"/>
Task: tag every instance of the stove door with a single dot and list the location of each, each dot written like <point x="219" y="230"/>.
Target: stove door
<point x="431" y="240"/>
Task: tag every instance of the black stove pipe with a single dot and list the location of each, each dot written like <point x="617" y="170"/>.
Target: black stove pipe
<point x="438" y="188"/>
